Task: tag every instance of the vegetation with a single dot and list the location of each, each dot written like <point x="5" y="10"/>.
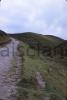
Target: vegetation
<point x="47" y="45"/>
<point x="3" y="37"/>
<point x="33" y="39"/>
<point x="53" y="71"/>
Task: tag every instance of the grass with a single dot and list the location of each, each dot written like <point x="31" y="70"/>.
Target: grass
<point x="33" y="39"/>
<point x="40" y="42"/>
<point x="3" y="37"/>
<point x="52" y="72"/>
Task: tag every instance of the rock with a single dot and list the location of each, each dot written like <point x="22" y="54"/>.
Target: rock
<point x="40" y="80"/>
<point x="46" y="98"/>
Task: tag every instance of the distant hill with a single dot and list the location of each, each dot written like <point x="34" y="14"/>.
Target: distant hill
<point x="49" y="45"/>
<point x="33" y="38"/>
<point x="38" y="41"/>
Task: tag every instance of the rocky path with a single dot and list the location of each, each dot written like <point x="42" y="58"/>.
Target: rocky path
<point x="10" y="68"/>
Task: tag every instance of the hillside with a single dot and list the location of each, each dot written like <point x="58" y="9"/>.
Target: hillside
<point x="45" y="44"/>
<point x="4" y="38"/>
<point x="31" y="38"/>
<point x="53" y="69"/>
<point x="53" y="73"/>
<point x="38" y="41"/>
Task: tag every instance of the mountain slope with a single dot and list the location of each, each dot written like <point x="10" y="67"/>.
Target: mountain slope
<point x="45" y="44"/>
<point x="34" y="37"/>
<point x="4" y="38"/>
<point x="54" y="74"/>
<point x="38" y="41"/>
<point x="53" y="70"/>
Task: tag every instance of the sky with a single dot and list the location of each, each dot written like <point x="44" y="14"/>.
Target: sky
<point x="39" y="16"/>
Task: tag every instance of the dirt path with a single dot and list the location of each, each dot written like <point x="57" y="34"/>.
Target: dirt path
<point x="10" y="68"/>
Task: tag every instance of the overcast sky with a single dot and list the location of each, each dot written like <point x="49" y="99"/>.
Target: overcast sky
<point x="40" y="16"/>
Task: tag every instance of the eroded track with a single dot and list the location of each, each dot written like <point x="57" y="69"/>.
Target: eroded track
<point x="10" y="68"/>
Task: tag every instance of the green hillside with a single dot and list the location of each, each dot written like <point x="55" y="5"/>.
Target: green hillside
<point x="53" y="73"/>
<point x="42" y="43"/>
<point x="53" y="69"/>
<point x="47" y="45"/>
<point x="4" y="38"/>
<point x="44" y="40"/>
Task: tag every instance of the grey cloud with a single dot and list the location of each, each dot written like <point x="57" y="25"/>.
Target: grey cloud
<point x="42" y="16"/>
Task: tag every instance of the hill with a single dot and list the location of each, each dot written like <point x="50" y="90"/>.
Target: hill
<point x="53" y="68"/>
<point x="43" y="43"/>
<point x="40" y="54"/>
<point x="54" y="74"/>
<point x="4" y="38"/>
<point x="31" y="38"/>
<point x="47" y="45"/>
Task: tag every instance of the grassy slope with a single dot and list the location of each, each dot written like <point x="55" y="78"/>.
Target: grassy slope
<point x="54" y="73"/>
<point x="3" y="37"/>
<point x="39" y="42"/>
<point x="31" y="38"/>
